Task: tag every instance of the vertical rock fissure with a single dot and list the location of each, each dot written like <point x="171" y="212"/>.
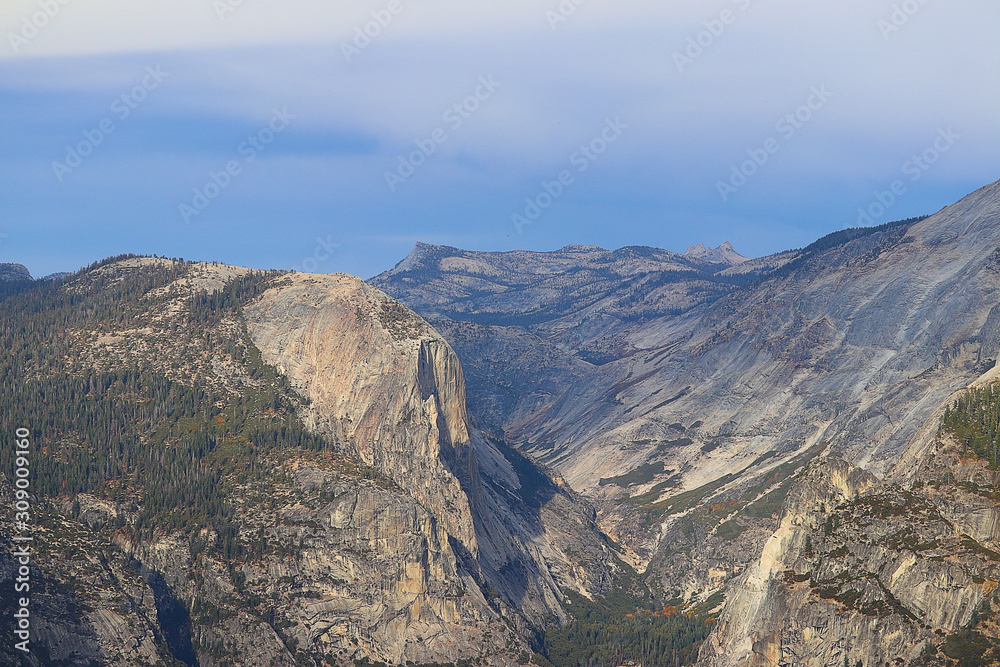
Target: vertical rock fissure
<point x="172" y="616"/>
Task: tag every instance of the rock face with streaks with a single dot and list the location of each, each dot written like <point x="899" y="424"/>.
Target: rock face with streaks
<point x="860" y="569"/>
<point x="703" y="431"/>
<point x="856" y="346"/>
<point x="400" y="533"/>
<point x="380" y="379"/>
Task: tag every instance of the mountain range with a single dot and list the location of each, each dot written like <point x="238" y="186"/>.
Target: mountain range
<point x="584" y="456"/>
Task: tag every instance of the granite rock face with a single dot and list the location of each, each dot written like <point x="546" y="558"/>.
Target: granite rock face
<point x="88" y="604"/>
<point x="695" y="431"/>
<point x="857" y="346"/>
<point x="14" y="272"/>
<point x="861" y="569"/>
<point x="369" y="572"/>
<point x="380" y="379"/>
<point x="410" y="535"/>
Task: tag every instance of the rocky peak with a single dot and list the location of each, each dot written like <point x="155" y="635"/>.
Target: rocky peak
<point x="385" y="384"/>
<point x="724" y="254"/>
<point x="422" y="256"/>
<point x="379" y="378"/>
<point x="14" y="272"/>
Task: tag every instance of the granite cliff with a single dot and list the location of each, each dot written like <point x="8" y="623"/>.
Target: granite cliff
<point x="305" y="487"/>
<point x="290" y="469"/>
<point x="14" y="273"/>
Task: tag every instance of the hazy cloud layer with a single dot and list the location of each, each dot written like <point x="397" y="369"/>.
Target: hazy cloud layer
<point x="817" y="106"/>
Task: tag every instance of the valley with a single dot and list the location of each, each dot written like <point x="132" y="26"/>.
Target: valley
<point x="622" y="456"/>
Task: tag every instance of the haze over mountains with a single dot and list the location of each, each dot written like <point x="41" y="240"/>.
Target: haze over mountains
<point x="503" y="458"/>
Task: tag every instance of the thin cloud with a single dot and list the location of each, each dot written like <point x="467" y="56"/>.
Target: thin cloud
<point x="560" y="81"/>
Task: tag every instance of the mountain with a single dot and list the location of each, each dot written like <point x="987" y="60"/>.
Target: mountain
<point x="716" y="439"/>
<point x="267" y="468"/>
<point x="578" y="298"/>
<point x="627" y="457"/>
<point x="60" y="275"/>
<point x="532" y="323"/>
<point x="724" y="254"/>
<point x="14" y="273"/>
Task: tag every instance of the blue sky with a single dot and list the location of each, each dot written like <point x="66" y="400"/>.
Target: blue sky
<point x="642" y="110"/>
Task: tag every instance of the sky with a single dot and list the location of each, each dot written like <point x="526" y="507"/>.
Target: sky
<point x="333" y="136"/>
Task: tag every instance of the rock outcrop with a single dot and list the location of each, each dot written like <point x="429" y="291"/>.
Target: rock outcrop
<point x="862" y="570"/>
<point x="351" y="568"/>
<point x="88" y="604"/>
<point x="381" y="379"/>
<point x="389" y="529"/>
<point x="14" y="273"/>
<point x="724" y="254"/>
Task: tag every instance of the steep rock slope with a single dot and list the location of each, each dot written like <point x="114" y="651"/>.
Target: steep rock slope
<point x="379" y="378"/>
<point x="527" y="325"/>
<point x="860" y="570"/>
<point x="902" y="570"/>
<point x="857" y="347"/>
<point x="193" y="516"/>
